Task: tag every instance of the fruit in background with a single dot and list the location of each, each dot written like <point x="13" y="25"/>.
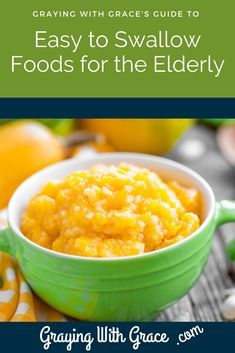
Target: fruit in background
<point x="25" y="147"/>
<point x="218" y="122"/>
<point x="59" y="126"/>
<point x="157" y="136"/>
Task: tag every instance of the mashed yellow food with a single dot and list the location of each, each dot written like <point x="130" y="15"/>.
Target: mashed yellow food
<point x="111" y="211"/>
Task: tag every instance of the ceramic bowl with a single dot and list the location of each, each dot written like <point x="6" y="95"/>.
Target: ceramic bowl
<point x="133" y="288"/>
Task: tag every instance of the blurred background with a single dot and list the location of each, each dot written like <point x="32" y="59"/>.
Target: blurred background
<point x="207" y="146"/>
<point x="27" y="146"/>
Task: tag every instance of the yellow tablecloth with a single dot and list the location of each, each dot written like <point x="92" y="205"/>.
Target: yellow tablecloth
<point x="17" y="301"/>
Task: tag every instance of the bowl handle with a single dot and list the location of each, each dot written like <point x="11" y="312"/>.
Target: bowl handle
<point x="4" y="244"/>
<point x="225" y="212"/>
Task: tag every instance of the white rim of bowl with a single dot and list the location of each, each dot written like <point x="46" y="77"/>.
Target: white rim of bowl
<point x="102" y="156"/>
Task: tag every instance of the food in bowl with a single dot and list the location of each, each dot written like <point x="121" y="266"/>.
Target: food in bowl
<point x="111" y="211"/>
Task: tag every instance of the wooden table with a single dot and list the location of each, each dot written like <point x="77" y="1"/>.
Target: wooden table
<point x="204" y="300"/>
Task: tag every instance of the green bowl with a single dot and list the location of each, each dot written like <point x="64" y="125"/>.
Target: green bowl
<point x="133" y="288"/>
